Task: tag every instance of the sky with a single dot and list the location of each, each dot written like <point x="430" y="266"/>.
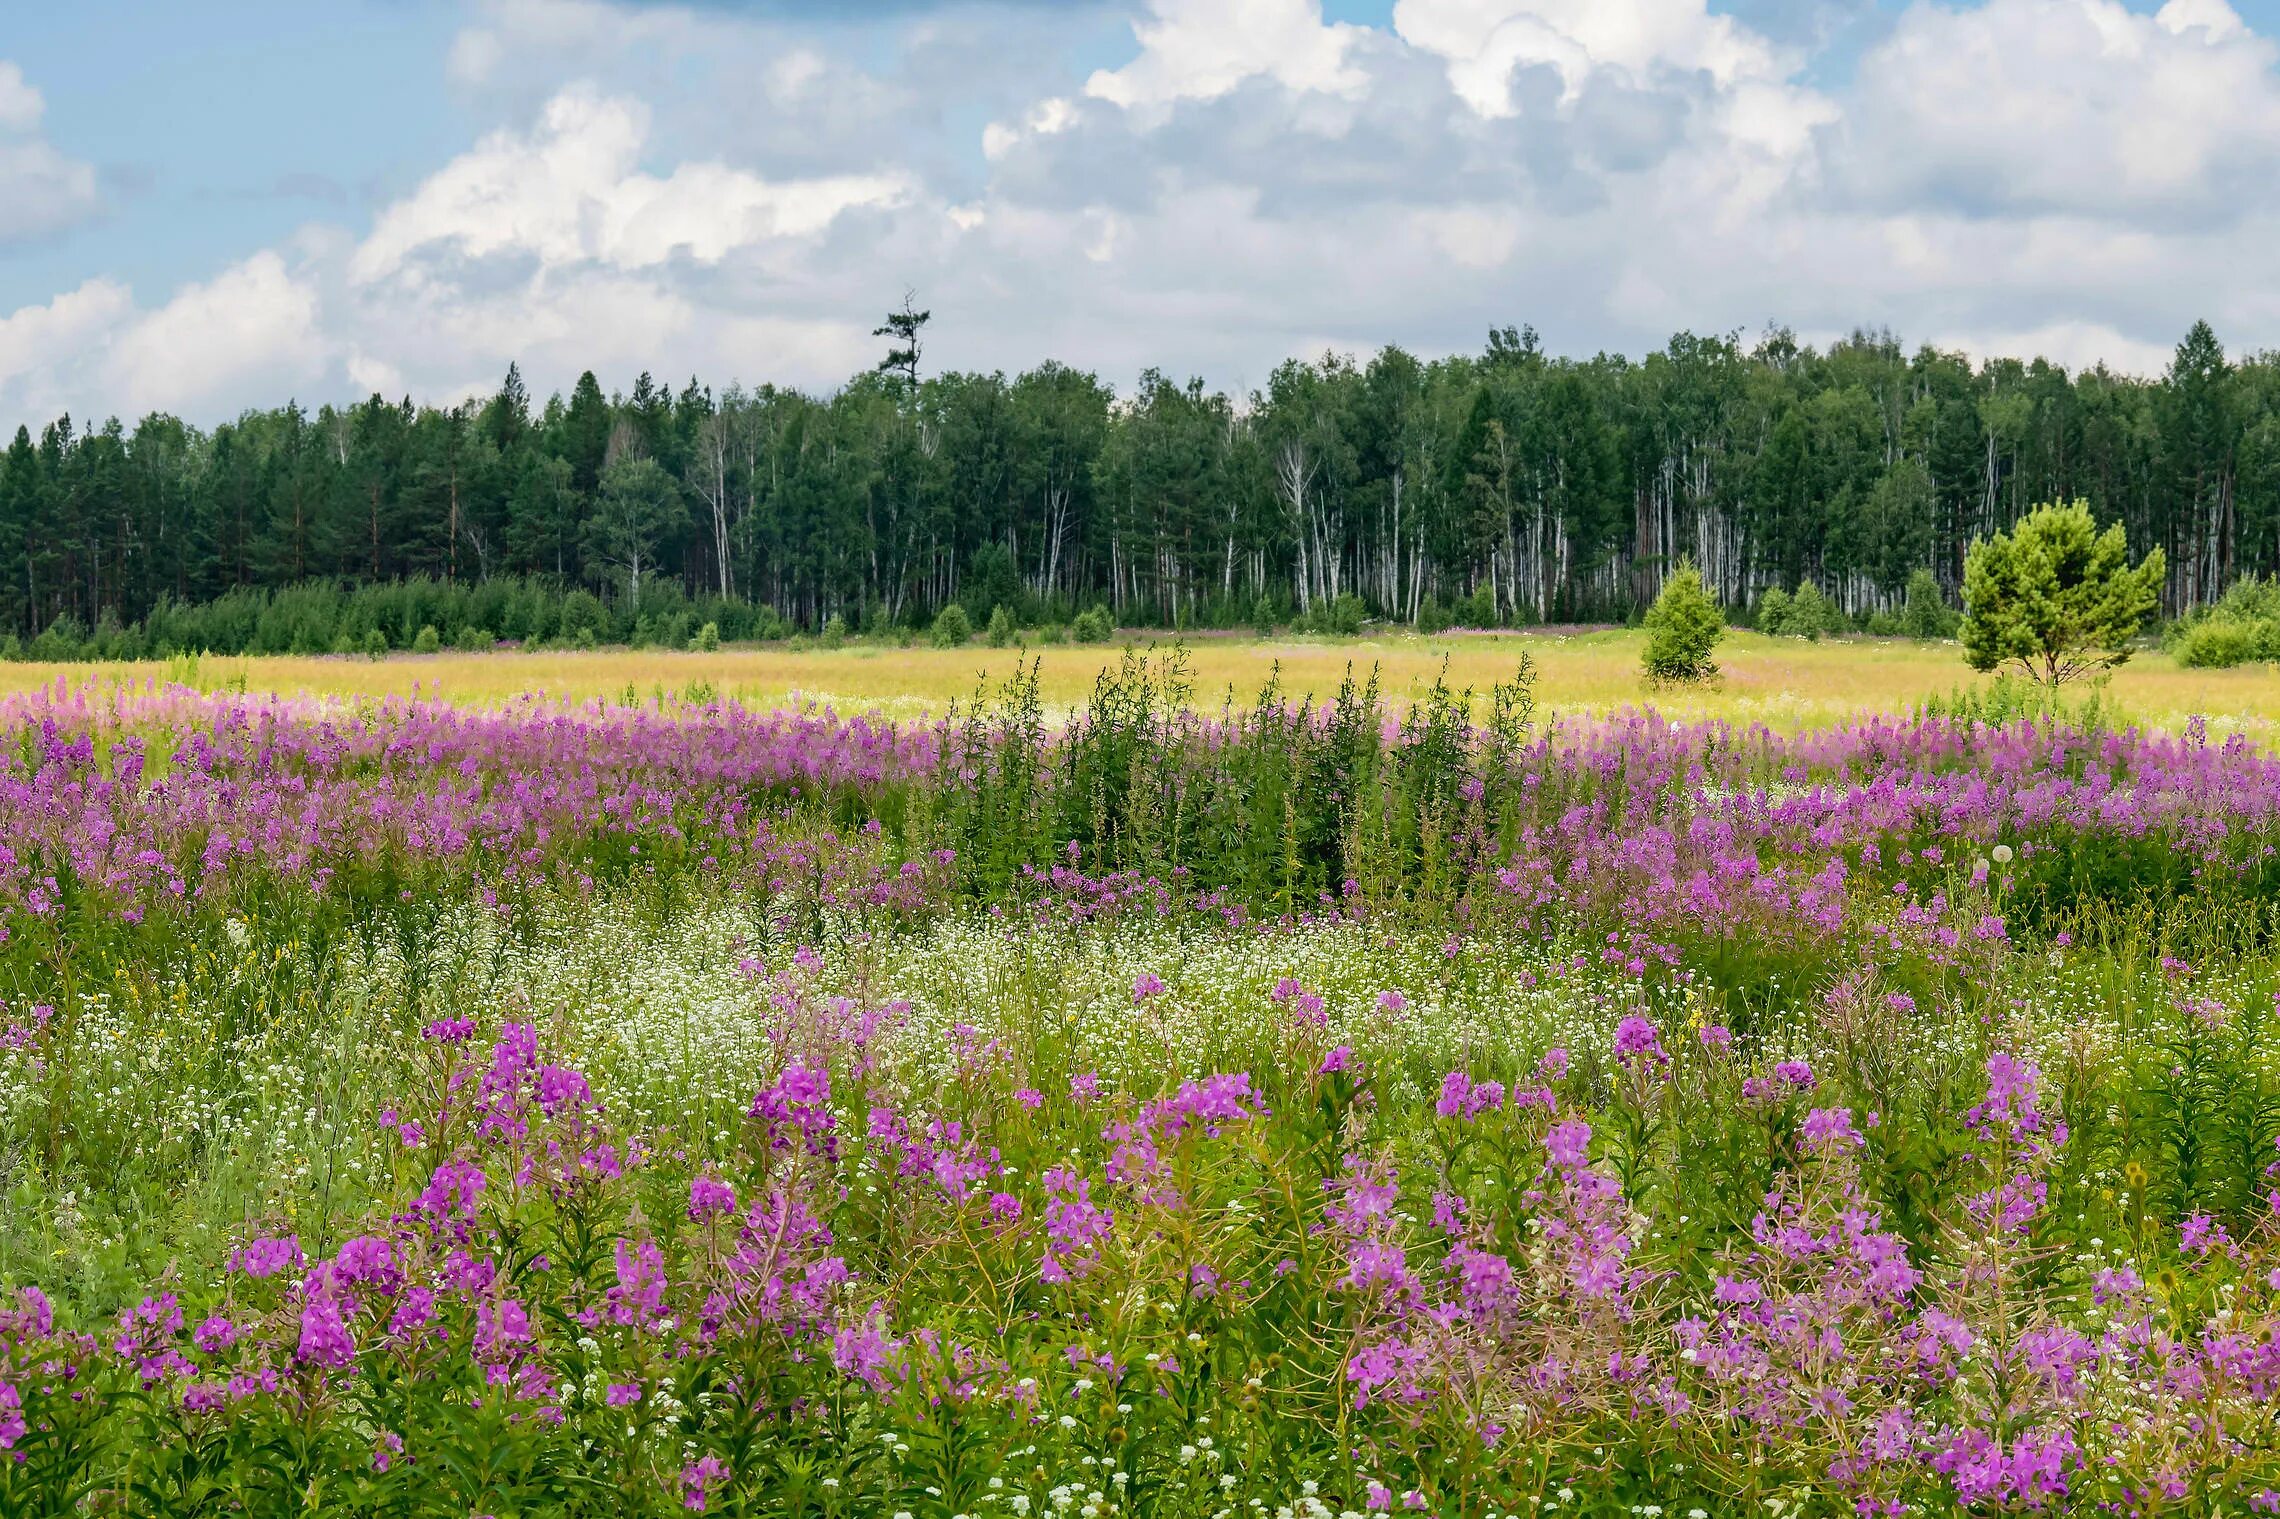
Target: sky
<point x="206" y="208"/>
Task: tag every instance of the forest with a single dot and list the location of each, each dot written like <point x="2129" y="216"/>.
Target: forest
<point x="1512" y="484"/>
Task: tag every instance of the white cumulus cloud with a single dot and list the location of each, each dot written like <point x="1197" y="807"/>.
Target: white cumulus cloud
<point x="2083" y="106"/>
<point x="1201" y="49"/>
<point x="41" y="190"/>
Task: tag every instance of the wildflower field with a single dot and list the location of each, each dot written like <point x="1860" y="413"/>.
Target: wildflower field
<point x="1136" y="1104"/>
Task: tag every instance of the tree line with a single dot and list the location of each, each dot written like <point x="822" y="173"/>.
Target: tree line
<point x="1510" y="485"/>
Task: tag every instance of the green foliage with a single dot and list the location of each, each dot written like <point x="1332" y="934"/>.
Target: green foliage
<point x="834" y="634"/>
<point x="1683" y="627"/>
<point x="375" y="644"/>
<point x="2056" y="596"/>
<point x="952" y="628"/>
<point x="639" y="507"/>
<point x="427" y="640"/>
<point x="1342" y="616"/>
<point x="474" y="640"/>
<point x="1432" y="617"/>
<point x="1093" y="625"/>
<point x="1806" y="614"/>
<point x="1000" y="634"/>
<point x="707" y="638"/>
<point x="2243" y="626"/>
<point x="1925" y="613"/>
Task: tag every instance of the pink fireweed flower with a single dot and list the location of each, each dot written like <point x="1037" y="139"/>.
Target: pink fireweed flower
<point x="710" y="1197"/>
<point x="639" y="1296"/>
<point x="325" y="1340"/>
<point x="266" y="1257"/>
<point x="698" y="1480"/>
<point x="1568" y="1143"/>
<point x="1147" y="985"/>
<point x="1830" y="1131"/>
<point x="501" y="1329"/>
<point x="1339" y="1059"/>
<point x="1638" y="1045"/>
<point x="796" y="1110"/>
<point x="1461" y="1097"/>
<point x="368" y="1261"/>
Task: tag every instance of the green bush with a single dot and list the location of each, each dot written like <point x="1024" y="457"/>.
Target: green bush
<point x="427" y="640"/>
<point x="1683" y="626"/>
<point x="1344" y="615"/>
<point x="707" y="639"/>
<point x="1093" y="625"/>
<point x="1925" y="612"/>
<point x="1000" y="634"/>
<point x="834" y="634"/>
<point x="2242" y="626"/>
<point x="473" y="640"/>
<point x="1806" y="613"/>
<point x="375" y="644"/>
<point x="1432" y="617"/>
<point x="952" y="627"/>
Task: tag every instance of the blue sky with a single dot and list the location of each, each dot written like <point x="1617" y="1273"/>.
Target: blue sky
<point x="203" y="208"/>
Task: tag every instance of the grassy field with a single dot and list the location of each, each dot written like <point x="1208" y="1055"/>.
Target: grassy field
<point x="1784" y="682"/>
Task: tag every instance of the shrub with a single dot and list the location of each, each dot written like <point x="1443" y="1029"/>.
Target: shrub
<point x="1344" y="615"/>
<point x="2241" y="626"/>
<point x="952" y="627"/>
<point x="1093" y="625"/>
<point x="474" y="640"/>
<point x="2056" y="596"/>
<point x="1054" y="633"/>
<point x="1683" y="626"/>
<point x="1432" y="617"/>
<point x="1925" y="612"/>
<point x="375" y="644"/>
<point x="1808" y="613"/>
<point x="428" y="640"/>
<point x="1000" y="633"/>
<point x="707" y="639"/>
<point x="834" y="634"/>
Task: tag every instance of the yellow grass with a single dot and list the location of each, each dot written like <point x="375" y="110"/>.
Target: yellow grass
<point x="1784" y="682"/>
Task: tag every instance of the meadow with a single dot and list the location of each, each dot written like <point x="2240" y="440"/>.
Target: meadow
<point x="1461" y="1090"/>
<point x="1784" y="682"/>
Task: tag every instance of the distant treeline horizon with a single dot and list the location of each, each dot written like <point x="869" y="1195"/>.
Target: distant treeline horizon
<point x="1520" y="486"/>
